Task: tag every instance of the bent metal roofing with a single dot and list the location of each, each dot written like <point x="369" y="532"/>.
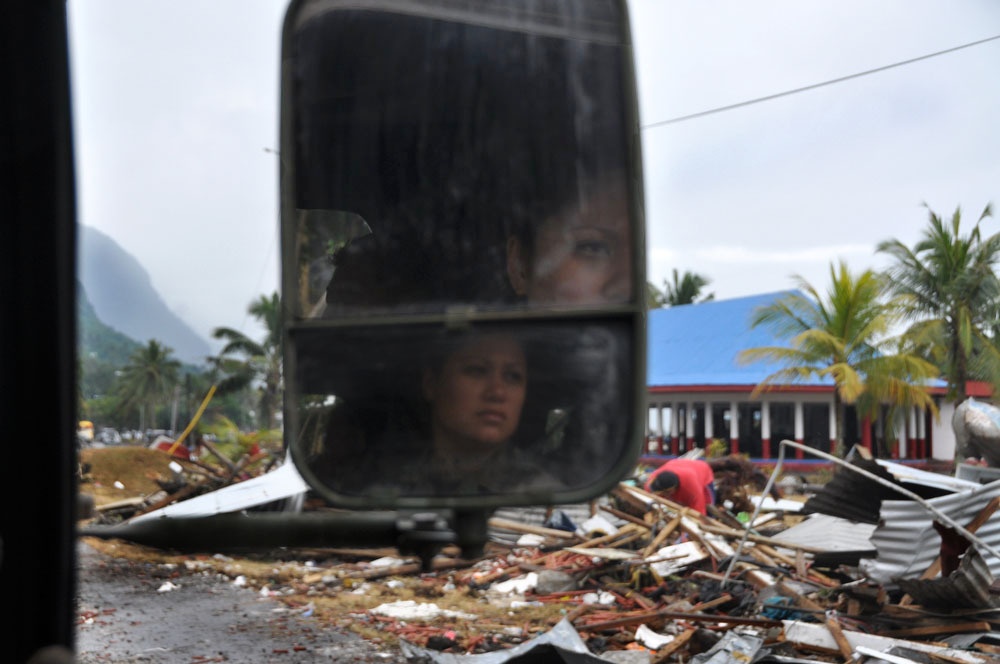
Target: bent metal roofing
<point x="695" y="345"/>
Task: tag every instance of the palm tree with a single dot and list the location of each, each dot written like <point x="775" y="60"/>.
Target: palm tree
<point x="951" y="296"/>
<point x="655" y="298"/>
<point x="685" y="289"/>
<point x="842" y="336"/>
<point x="245" y="361"/>
<point x="148" y="379"/>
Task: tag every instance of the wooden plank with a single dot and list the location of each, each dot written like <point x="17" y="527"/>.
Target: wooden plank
<point x="517" y="527"/>
<point x="661" y="537"/>
<point x="846" y="651"/>
<point x="666" y="652"/>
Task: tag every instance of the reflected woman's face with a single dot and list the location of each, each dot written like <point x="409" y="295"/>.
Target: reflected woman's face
<point x="581" y="256"/>
<point x="477" y="397"/>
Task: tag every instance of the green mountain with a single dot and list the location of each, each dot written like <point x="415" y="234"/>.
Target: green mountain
<point x="96" y="341"/>
<point x="122" y="296"/>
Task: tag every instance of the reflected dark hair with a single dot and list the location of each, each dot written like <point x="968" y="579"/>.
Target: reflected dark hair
<point x="438" y="352"/>
<point x="446" y="161"/>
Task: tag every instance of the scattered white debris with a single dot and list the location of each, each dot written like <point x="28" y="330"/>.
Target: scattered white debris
<point x="603" y="597"/>
<point x="650" y="639"/>
<point x="410" y="610"/>
<point x="519" y="585"/>
<point x="595" y="526"/>
<point x="530" y="539"/>
<point x="671" y="559"/>
<point x="387" y="561"/>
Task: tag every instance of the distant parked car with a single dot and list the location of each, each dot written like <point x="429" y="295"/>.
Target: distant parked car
<point x="110" y="436"/>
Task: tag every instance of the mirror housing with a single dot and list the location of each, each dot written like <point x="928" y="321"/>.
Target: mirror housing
<point x="462" y="251"/>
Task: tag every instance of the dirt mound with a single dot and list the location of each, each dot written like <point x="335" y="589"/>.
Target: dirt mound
<point x="135" y="469"/>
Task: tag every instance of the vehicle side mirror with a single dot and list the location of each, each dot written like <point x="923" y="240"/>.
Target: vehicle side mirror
<point x="462" y="251"/>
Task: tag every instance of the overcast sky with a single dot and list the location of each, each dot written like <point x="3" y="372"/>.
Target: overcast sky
<point x="176" y="120"/>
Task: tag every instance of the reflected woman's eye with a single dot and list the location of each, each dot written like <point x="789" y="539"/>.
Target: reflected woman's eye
<point x="514" y="376"/>
<point x="592" y="249"/>
<point x="475" y="369"/>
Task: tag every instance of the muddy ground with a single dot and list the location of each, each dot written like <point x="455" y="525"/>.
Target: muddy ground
<point x="120" y="582"/>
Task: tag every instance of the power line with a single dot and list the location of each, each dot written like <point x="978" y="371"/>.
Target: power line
<point x="786" y="93"/>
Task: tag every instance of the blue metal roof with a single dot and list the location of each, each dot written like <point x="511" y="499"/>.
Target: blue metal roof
<point x="697" y="344"/>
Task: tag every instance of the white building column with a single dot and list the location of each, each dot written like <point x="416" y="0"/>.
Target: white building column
<point x="661" y="434"/>
<point x="709" y="425"/>
<point x="734" y="427"/>
<point x="799" y="427"/>
<point x="833" y="426"/>
<point x="689" y="428"/>
<point x="765" y="428"/>
<point x="675" y="426"/>
<point x="925" y="453"/>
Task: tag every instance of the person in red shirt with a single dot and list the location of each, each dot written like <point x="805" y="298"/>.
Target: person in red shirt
<point x="689" y="482"/>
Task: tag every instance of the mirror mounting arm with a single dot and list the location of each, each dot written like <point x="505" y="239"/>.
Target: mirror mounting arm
<point x="421" y="534"/>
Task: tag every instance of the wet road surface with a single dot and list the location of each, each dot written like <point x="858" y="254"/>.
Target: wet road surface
<point x="124" y="617"/>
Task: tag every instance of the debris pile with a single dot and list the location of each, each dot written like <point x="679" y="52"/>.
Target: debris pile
<point x="127" y="482"/>
<point x="647" y="579"/>
<point x="848" y="573"/>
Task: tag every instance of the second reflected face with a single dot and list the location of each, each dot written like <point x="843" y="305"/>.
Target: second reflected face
<point x="581" y="256"/>
<point x="477" y="395"/>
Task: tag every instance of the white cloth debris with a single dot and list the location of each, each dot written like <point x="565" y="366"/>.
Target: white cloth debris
<point x="519" y="585"/>
<point x="650" y="639"/>
<point x="410" y="610"/>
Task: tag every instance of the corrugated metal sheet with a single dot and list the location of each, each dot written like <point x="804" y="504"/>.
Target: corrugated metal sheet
<point x="909" y="475"/>
<point x="855" y="497"/>
<point x="907" y="543"/>
<point x="852" y="496"/>
<point x="830" y="533"/>
<point x="968" y="587"/>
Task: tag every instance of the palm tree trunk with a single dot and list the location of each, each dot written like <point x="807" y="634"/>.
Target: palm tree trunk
<point x="960" y="366"/>
<point x="174" y="406"/>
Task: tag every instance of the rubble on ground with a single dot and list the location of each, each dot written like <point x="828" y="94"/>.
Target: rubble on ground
<point x="634" y="577"/>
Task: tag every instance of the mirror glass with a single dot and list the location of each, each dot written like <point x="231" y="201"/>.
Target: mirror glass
<point x="460" y="252"/>
<point x="488" y="410"/>
<point x="458" y="157"/>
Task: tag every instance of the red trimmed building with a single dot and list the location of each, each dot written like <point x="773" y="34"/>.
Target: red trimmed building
<point x="698" y="392"/>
